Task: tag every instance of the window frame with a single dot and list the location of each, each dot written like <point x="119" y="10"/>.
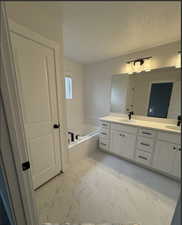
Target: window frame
<point x="68" y="93"/>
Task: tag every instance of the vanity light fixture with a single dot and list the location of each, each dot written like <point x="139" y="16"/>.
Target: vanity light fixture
<point x="130" y="68"/>
<point x="139" y="65"/>
<point x="147" y="65"/>
<point x="178" y="64"/>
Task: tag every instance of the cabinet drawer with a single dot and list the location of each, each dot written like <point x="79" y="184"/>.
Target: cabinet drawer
<point x="103" y="143"/>
<point x="143" y="157"/>
<point x="145" y="144"/>
<point x="165" y="136"/>
<point x="146" y="132"/>
<point x="104" y="124"/>
<point x="125" y="128"/>
<point x="104" y="133"/>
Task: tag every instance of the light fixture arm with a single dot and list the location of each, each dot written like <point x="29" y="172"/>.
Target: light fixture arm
<point x="141" y="60"/>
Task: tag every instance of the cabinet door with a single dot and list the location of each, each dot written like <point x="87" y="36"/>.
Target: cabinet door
<point x="127" y="145"/>
<point x="176" y="170"/>
<point x="115" y="142"/>
<point x="123" y="144"/>
<point x="163" y="156"/>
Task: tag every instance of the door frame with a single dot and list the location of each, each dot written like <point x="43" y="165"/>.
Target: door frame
<point x="13" y="147"/>
<point x="31" y="35"/>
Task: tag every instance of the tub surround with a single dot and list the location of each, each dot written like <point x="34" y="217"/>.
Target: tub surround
<point x="85" y="132"/>
<point x="86" y="143"/>
<point x="82" y="139"/>
<point x="154" y="145"/>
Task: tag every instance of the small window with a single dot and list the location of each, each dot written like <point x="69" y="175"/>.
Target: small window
<point x="68" y="87"/>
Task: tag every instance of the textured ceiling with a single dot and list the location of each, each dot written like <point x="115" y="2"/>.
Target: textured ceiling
<point x="95" y="31"/>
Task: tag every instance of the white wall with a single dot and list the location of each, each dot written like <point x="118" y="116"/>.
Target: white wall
<point x="98" y="77"/>
<point x="75" y="106"/>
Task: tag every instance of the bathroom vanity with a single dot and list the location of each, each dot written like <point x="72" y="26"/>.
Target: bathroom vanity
<point x="154" y="145"/>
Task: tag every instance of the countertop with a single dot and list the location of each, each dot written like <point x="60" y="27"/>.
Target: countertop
<point x="143" y="123"/>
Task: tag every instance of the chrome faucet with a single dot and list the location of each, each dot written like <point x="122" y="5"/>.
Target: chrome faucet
<point x="129" y="114"/>
<point x="179" y="121"/>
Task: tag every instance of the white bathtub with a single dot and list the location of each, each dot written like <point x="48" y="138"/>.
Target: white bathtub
<point x="86" y="143"/>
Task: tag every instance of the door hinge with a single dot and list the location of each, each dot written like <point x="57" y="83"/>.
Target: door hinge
<point x="26" y="165"/>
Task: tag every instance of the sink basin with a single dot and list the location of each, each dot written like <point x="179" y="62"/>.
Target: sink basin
<point x="173" y="127"/>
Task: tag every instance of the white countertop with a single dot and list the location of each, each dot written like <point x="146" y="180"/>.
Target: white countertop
<point x="142" y="123"/>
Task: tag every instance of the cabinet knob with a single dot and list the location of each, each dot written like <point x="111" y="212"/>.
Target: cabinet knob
<point x="56" y="126"/>
<point x="174" y="148"/>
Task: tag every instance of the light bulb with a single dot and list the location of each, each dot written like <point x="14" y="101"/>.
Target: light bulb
<point x="129" y="68"/>
<point x="147" y="65"/>
<point x="178" y="64"/>
<point x="138" y="68"/>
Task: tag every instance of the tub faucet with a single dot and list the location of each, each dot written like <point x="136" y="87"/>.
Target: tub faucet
<point x="179" y="121"/>
<point x="72" y="136"/>
<point x="129" y="114"/>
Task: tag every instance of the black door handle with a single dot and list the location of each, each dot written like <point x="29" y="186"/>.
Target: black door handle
<point x="26" y="165"/>
<point x="56" y="126"/>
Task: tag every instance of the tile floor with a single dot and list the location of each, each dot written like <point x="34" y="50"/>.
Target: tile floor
<point x="103" y="188"/>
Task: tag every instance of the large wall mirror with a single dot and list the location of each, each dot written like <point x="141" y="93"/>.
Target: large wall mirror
<point x="156" y="93"/>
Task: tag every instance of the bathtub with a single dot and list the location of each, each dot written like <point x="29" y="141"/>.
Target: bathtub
<point x="86" y="144"/>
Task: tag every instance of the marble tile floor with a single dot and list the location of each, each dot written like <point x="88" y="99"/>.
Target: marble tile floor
<point x="105" y="189"/>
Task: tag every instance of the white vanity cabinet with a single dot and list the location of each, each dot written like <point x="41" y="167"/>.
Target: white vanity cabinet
<point x="104" y="136"/>
<point x="123" y="140"/>
<point x="167" y="156"/>
<point x="164" y="156"/>
<point x="122" y="144"/>
<point x="156" y="149"/>
<point x="176" y="169"/>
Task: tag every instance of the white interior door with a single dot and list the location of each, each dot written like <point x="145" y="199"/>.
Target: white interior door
<point x="115" y="142"/>
<point x="35" y="67"/>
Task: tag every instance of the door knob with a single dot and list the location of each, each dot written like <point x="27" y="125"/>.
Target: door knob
<point x="56" y="126"/>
